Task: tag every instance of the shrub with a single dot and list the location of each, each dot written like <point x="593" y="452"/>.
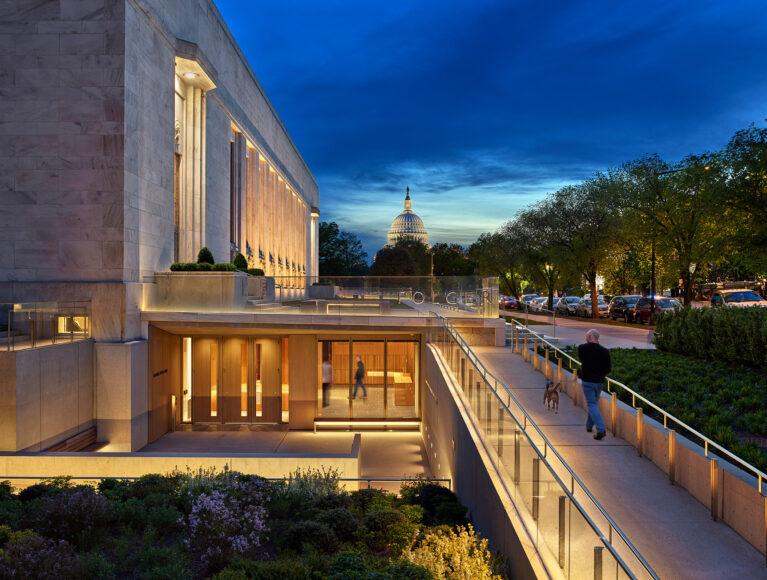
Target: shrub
<point x="332" y="501"/>
<point x="255" y="271"/>
<point x="31" y="556"/>
<point x="386" y="530"/>
<point x="455" y="554"/>
<point x="282" y="569"/>
<point x="240" y="262"/>
<point x="316" y="534"/>
<point x="440" y="505"/>
<point x="220" y="526"/>
<point x="220" y="267"/>
<point x="132" y="513"/>
<point x="733" y="335"/>
<point x="405" y="570"/>
<point x="75" y="514"/>
<point x="165" y="519"/>
<point x="205" y="256"/>
<point x="204" y="267"/>
<point x="159" y="562"/>
<point x="367" y="500"/>
<point x="341" y="521"/>
<point x="184" y="267"/>
<point x="96" y="566"/>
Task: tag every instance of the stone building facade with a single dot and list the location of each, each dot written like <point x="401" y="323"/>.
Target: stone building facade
<point x="133" y="133"/>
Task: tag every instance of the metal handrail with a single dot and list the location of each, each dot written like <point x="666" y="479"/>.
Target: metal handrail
<point x="357" y="479"/>
<point x="456" y="336"/>
<point x="760" y="475"/>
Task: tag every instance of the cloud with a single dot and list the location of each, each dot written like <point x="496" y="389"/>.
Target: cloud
<point x="483" y="107"/>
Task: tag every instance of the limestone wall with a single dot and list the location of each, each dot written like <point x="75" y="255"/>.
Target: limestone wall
<point x="47" y="395"/>
<point x="61" y="140"/>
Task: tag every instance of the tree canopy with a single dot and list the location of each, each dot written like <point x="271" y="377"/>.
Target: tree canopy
<point x="341" y="253"/>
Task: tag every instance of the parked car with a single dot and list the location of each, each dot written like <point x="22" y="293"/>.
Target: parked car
<point x="524" y="301"/>
<point x="623" y="307"/>
<point x="507" y="302"/>
<point x="567" y="305"/>
<point x="551" y="307"/>
<point x="646" y="308"/>
<point x="536" y="304"/>
<point x="739" y="297"/>
<point x="584" y="308"/>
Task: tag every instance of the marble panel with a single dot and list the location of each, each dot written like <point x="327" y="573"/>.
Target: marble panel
<point x="37" y="43"/>
<point x="82" y="9"/>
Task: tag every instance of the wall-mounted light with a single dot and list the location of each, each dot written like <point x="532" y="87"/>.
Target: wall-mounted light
<point x="190" y="75"/>
<point x="315" y="212"/>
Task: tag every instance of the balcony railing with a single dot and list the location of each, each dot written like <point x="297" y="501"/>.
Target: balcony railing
<point x="565" y="521"/>
<point x="411" y="296"/>
<point x="25" y="325"/>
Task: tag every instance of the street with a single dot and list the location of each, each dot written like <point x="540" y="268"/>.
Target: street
<point x="570" y="330"/>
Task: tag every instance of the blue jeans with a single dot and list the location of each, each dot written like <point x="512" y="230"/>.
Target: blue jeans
<point x="592" y="392"/>
<point x="357" y="385"/>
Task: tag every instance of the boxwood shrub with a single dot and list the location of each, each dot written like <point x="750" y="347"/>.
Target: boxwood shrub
<point x="733" y="335"/>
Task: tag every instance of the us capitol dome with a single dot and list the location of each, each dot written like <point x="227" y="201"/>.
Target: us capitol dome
<point x="407" y="225"/>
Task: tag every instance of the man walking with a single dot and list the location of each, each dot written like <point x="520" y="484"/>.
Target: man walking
<point x="595" y="364"/>
<point x="359" y="374"/>
<point x="327" y="379"/>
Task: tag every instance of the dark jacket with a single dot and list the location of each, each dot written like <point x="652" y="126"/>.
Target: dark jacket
<point x="595" y="361"/>
<point x="360" y="373"/>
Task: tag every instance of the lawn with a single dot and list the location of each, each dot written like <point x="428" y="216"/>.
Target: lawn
<point x="231" y="526"/>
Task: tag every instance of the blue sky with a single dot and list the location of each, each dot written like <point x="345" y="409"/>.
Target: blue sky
<point x="483" y="107"/>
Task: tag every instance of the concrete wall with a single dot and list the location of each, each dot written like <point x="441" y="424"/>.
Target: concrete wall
<point x="105" y="464"/>
<point x="303" y="380"/>
<point x="122" y="395"/>
<point x="455" y="452"/>
<point x="46" y="395"/>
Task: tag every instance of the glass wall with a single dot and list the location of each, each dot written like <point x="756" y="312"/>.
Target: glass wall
<point x="401" y="379"/>
<point x="384" y="374"/>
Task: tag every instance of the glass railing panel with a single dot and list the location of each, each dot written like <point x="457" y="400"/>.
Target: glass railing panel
<point x="409" y="296"/>
<point x="582" y="542"/>
<point x="37" y="324"/>
<point x="549" y="504"/>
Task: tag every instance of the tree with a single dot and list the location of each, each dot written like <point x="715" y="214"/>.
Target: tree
<point x="496" y="256"/>
<point x="583" y="222"/>
<point x="408" y="257"/>
<point x="451" y="260"/>
<point x="394" y="261"/>
<point x="678" y="208"/>
<point x="341" y="253"/>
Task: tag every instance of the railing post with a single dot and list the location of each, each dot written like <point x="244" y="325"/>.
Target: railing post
<point x="559" y="370"/>
<point x="598" y="562"/>
<point x="640" y="429"/>
<point x="562" y="520"/>
<point x="535" y="355"/>
<point x="575" y="386"/>
<point x="516" y="455"/>
<point x="672" y="456"/>
<point x="714" y="475"/>
<point x="536" y="486"/>
<point x="614" y="411"/>
<point x="547" y="363"/>
<point x="488" y="406"/>
<point x="524" y="352"/>
<point x="478" y="402"/>
<point x="500" y="430"/>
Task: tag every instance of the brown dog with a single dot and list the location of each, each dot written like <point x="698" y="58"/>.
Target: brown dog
<point x="551" y="396"/>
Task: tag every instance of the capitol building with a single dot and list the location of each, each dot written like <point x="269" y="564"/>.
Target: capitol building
<point x="407" y="225"/>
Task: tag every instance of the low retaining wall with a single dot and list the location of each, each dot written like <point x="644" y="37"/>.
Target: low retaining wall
<point x="28" y="468"/>
<point x="728" y="491"/>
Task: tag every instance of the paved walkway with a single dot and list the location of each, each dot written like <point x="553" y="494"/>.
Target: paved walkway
<point x="570" y="330"/>
<point x="671" y="529"/>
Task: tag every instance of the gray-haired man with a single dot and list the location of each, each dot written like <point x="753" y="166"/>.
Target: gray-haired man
<point x="595" y="364"/>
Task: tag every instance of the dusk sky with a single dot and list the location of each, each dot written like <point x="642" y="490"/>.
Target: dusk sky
<point x="483" y="107"/>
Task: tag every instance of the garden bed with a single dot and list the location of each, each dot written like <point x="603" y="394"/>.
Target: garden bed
<point x="232" y="526"/>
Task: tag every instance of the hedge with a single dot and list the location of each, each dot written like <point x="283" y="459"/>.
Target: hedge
<point x="733" y="335"/>
<point x="201" y="267"/>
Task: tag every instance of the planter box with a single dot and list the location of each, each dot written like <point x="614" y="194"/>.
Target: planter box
<point x="326" y="292"/>
<point x="201" y="291"/>
<point x="261" y="288"/>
